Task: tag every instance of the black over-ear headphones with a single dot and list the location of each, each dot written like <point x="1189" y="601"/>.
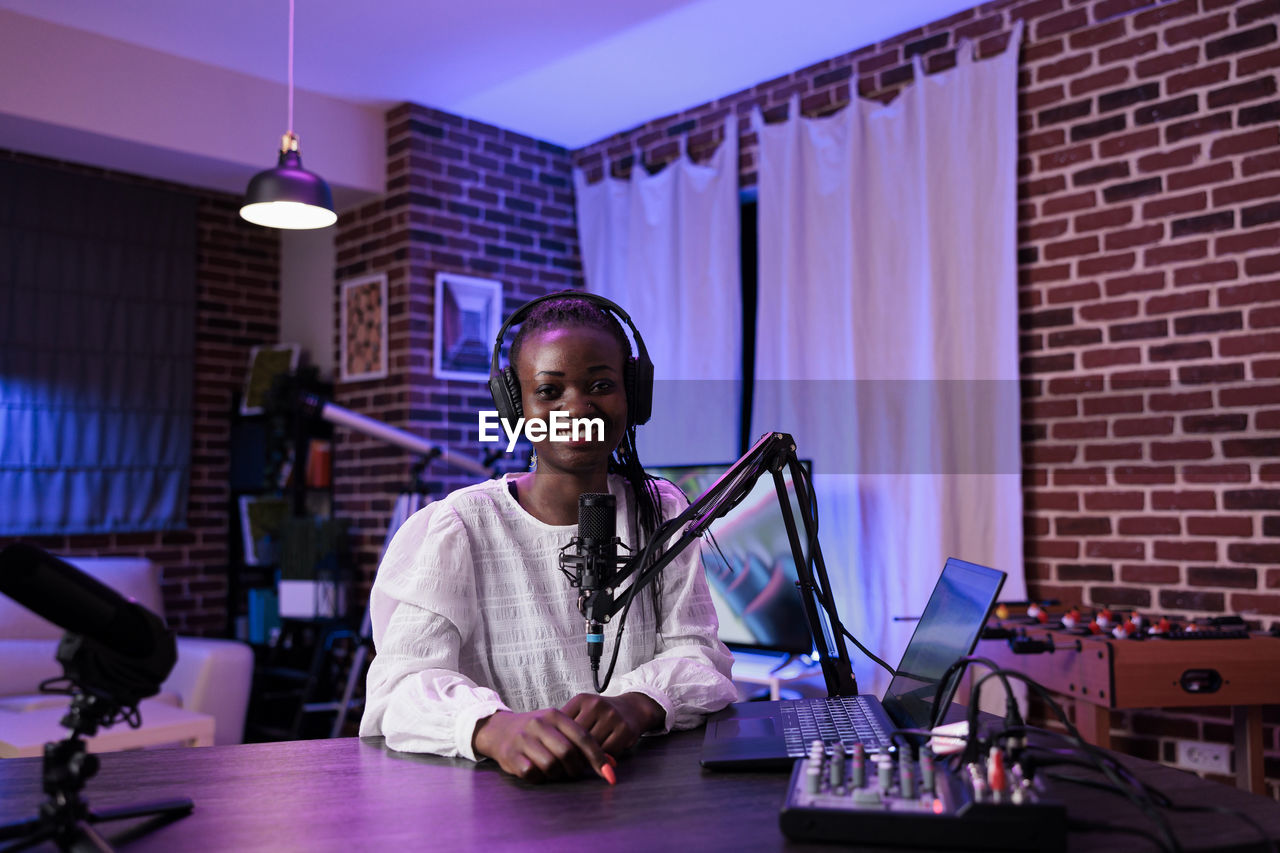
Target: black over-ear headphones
<point x="637" y="378"/>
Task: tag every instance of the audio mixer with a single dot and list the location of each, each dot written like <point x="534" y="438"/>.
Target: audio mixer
<point x="885" y="800"/>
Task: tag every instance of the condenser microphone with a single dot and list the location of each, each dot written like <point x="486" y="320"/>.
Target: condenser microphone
<point x="140" y="649"/>
<point x="596" y="553"/>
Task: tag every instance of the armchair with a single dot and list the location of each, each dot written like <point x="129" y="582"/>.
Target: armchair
<point x="212" y="676"/>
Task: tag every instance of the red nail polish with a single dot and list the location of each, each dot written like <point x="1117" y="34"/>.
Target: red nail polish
<point x="609" y="775"/>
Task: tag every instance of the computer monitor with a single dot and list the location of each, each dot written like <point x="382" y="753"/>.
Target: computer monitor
<point x="753" y="584"/>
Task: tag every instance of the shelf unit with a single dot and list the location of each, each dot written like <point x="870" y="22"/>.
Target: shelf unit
<point x="269" y="490"/>
<point x="302" y="658"/>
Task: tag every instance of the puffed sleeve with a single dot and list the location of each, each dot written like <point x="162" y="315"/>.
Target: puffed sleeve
<point x="689" y="675"/>
<point x="423" y="608"/>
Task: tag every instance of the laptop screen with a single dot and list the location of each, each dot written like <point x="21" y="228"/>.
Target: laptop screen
<point x="948" y="629"/>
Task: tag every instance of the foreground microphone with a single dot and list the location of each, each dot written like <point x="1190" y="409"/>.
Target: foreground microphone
<point x="596" y="548"/>
<point x="132" y="651"/>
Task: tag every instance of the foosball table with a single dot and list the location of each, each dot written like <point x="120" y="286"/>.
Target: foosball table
<point x="1129" y="663"/>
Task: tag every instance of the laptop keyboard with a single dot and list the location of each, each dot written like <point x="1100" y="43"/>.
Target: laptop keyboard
<point x="843" y="719"/>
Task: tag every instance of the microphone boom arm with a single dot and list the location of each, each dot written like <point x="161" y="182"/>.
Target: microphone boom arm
<point x="773" y="452"/>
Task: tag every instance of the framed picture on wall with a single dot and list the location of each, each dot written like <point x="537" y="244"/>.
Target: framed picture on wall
<point x="468" y="316"/>
<point x="265" y="364"/>
<point x="363" y="347"/>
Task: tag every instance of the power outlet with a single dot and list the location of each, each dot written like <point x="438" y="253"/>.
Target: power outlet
<point x="1206" y="757"/>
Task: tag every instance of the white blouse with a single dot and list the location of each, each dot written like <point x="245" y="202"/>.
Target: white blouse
<point x="471" y="615"/>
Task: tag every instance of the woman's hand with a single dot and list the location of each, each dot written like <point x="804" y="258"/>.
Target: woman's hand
<point x="614" y="722"/>
<point x="540" y="745"/>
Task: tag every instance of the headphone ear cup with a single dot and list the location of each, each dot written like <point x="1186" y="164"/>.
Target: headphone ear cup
<point x="504" y="387"/>
<point x="639" y="381"/>
<point x="515" y="404"/>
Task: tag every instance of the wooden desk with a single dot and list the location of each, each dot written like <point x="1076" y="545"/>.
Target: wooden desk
<point x="346" y="794"/>
<point x="1158" y="673"/>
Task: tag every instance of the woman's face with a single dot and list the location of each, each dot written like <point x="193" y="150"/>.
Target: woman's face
<point x="578" y="371"/>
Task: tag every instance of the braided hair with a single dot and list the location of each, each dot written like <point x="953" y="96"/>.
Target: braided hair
<point x="571" y="311"/>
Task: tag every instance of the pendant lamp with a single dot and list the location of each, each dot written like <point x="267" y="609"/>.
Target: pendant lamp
<point x="289" y="196"/>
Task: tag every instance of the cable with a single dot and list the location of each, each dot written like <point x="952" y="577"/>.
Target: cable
<point x="867" y="651"/>
<point x="1013" y="716"/>
<point x="1100" y="760"/>
<point x="290" y="67"/>
<point x="645" y="558"/>
<point x="1155" y="794"/>
<point x="622" y="619"/>
<point x="1119" y="779"/>
<point x="1262" y="833"/>
<point x="825" y="595"/>
<point x="773" y="453"/>
<point x="1094" y="826"/>
<point x="1033" y="759"/>
<point x="927" y="734"/>
<point x="715" y="546"/>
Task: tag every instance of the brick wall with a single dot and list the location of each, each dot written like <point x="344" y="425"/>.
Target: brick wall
<point x="1149" y="248"/>
<point x="462" y="197"/>
<point x="237" y="307"/>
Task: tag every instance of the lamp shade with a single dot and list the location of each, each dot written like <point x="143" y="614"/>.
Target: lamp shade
<point x="289" y="196"/>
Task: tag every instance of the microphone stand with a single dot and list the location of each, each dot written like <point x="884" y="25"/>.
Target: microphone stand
<point x="774" y="453"/>
<point x="65" y="817"/>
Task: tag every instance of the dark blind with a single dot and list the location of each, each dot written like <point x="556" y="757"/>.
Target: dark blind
<point x="97" y="313"/>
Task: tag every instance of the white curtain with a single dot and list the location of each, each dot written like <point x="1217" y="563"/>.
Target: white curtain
<point x="887" y="335"/>
<point x="665" y="247"/>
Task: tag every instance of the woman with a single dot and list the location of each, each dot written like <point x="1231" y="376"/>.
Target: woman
<point x="480" y="646"/>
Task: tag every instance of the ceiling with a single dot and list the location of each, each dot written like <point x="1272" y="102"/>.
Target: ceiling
<point x="566" y="71"/>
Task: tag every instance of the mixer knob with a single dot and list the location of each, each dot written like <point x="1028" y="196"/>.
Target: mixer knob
<point x="884" y="773"/>
<point x="859" y="770"/>
<point x="812" y="776"/>
<point x="926" y="771"/>
<point x="906" y="780"/>
<point x="836" y="770"/>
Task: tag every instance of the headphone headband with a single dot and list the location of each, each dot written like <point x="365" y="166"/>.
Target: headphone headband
<point x="524" y="310"/>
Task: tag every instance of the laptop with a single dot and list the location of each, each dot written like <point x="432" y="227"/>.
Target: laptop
<point x="772" y="735"/>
